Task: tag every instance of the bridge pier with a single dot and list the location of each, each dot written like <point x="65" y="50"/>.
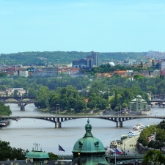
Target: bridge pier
<point x="22" y="107"/>
<point x="58" y="123"/>
<point x="119" y="124"/>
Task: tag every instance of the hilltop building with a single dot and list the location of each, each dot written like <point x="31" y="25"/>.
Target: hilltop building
<point x="128" y="62"/>
<point x="88" y="62"/>
<point x="94" y="57"/>
<point x="82" y="63"/>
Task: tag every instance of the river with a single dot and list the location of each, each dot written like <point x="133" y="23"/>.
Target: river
<point x="25" y="132"/>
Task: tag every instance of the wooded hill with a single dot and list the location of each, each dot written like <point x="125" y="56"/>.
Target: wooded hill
<point x="62" y="57"/>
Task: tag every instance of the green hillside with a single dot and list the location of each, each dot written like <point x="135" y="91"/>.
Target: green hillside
<point x="61" y="57"/>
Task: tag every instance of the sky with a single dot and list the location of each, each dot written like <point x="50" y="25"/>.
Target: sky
<point x="82" y="25"/>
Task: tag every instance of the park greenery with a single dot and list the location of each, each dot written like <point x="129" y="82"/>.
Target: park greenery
<point x="158" y="131"/>
<point x="154" y="157"/>
<point x="70" y="93"/>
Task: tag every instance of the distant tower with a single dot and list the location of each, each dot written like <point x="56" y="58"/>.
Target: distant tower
<point x="95" y="58"/>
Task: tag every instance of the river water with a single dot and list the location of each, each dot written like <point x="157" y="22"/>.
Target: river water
<point x="25" y="132"/>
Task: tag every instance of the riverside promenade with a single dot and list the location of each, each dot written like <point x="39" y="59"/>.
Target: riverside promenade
<point x="129" y="145"/>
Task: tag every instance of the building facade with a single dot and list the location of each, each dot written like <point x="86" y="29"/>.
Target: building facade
<point x="138" y="104"/>
<point x="46" y="71"/>
<point x="89" y="62"/>
<point x="82" y="63"/>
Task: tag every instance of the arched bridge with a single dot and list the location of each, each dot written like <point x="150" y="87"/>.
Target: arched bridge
<point x="21" y="101"/>
<point x="158" y="99"/>
<point x="58" y="119"/>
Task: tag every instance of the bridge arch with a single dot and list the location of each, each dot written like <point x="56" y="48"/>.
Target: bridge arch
<point x="59" y="119"/>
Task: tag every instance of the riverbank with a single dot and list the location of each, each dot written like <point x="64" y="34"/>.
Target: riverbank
<point x="82" y="113"/>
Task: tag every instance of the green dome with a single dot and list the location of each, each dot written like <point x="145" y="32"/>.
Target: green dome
<point x="88" y="144"/>
<point x="37" y="155"/>
<point x="138" y="96"/>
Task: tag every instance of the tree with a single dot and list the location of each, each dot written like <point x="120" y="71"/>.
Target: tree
<point x="42" y="97"/>
<point x="5" y="110"/>
<point x="52" y="156"/>
<point x="2" y="74"/>
<point x="153" y="157"/>
<point x="16" y="93"/>
<point x="7" y="152"/>
<point x="161" y="125"/>
<point x="18" y="153"/>
<point x="68" y="98"/>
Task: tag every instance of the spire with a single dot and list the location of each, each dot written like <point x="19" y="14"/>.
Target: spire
<point x="88" y="129"/>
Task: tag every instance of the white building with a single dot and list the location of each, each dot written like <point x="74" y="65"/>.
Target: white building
<point x="162" y="65"/>
<point x="10" y="91"/>
<point x="23" y="73"/>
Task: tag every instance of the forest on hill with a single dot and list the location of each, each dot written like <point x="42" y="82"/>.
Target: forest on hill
<point x="62" y="57"/>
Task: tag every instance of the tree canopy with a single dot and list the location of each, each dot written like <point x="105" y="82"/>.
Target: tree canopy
<point x="154" y="157"/>
<point x="7" y="152"/>
<point x="4" y="110"/>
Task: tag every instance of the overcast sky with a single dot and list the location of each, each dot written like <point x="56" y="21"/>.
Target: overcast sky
<point x="82" y="25"/>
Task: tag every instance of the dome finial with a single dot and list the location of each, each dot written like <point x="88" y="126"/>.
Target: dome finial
<point x="88" y="129"/>
<point x="88" y="121"/>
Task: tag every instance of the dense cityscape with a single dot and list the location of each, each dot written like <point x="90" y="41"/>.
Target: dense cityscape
<point x="82" y="82"/>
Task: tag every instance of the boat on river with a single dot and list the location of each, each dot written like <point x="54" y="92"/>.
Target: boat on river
<point x="147" y="112"/>
<point x="136" y="130"/>
<point x="4" y="123"/>
<point x="138" y="126"/>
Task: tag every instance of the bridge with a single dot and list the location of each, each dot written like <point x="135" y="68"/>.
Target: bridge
<point x="58" y="119"/>
<point x="158" y="99"/>
<point x="159" y="102"/>
<point x="21" y="101"/>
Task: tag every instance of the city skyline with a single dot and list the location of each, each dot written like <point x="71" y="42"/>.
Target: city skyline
<point x="102" y="26"/>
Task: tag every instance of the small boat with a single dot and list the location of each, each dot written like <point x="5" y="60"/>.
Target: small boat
<point x="147" y="112"/>
<point x="138" y="126"/>
<point x="4" y="123"/>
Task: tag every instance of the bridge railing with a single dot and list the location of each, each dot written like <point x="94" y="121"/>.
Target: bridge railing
<point x="129" y="156"/>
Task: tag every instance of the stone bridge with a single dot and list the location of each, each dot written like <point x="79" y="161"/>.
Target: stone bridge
<point x="159" y="102"/>
<point x="58" y="119"/>
<point x="21" y="101"/>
